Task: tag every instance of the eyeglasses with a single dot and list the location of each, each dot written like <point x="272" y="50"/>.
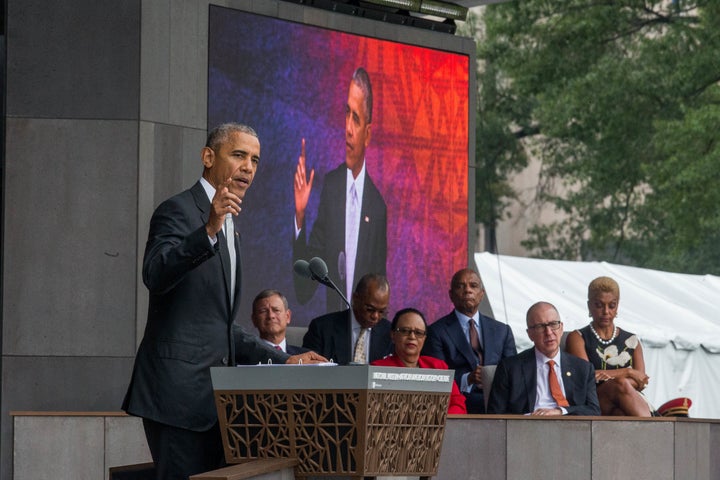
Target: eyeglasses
<point x="540" y="327"/>
<point x="406" y="332"/>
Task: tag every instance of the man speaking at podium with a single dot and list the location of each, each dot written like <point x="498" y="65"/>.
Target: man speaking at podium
<point x="350" y="231"/>
<point x="192" y="269"/>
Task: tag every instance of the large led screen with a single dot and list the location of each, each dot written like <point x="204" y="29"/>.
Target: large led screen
<point x="291" y="83"/>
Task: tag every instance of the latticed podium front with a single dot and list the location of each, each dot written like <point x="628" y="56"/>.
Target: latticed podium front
<point x="347" y="421"/>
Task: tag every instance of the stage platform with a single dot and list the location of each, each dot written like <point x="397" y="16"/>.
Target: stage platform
<point x="498" y="447"/>
<point x="487" y="447"/>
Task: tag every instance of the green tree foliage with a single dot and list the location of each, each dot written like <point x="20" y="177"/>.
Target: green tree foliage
<point x="498" y="153"/>
<point x="620" y="102"/>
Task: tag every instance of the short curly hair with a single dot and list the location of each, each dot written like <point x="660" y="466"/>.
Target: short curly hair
<point x="603" y="285"/>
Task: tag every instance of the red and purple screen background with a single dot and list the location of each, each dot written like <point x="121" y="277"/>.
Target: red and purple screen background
<point x="290" y="81"/>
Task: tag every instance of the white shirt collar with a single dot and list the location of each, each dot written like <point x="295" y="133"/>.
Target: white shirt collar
<point x="359" y="182"/>
<point x="209" y="189"/>
<point x="541" y="359"/>
<point x="356" y="327"/>
<point x="282" y="344"/>
<point x="463" y="319"/>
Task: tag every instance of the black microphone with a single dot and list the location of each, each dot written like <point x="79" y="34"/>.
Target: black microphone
<point x="319" y="269"/>
<point x="302" y="268"/>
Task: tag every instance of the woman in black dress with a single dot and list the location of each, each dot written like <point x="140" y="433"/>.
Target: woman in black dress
<point x="615" y="353"/>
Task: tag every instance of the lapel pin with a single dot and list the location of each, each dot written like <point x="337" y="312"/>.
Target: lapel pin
<point x="568" y="374"/>
<point x="367" y="219"/>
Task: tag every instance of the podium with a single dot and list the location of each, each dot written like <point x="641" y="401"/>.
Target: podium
<point x="351" y="421"/>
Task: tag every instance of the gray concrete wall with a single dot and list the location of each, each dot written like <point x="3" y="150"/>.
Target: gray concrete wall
<point x="106" y="115"/>
<point x="71" y="207"/>
<point x="75" y="447"/>
<point x="479" y="447"/>
<point x="474" y="448"/>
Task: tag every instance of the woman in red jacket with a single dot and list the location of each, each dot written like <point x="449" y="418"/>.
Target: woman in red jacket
<point x="408" y="331"/>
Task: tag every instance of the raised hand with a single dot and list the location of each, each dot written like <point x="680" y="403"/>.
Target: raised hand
<point x="223" y="202"/>
<point x="302" y="187"/>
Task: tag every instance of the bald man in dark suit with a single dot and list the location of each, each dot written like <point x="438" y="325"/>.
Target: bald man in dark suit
<point x="543" y="380"/>
<point x="449" y="338"/>
<point x="337" y="335"/>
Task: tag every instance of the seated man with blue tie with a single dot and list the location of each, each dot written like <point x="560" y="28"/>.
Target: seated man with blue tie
<point x="543" y="380"/>
<point x="466" y="340"/>
<point x="271" y="316"/>
<point x="360" y="334"/>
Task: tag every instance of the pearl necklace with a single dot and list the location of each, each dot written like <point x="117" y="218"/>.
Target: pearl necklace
<point x="604" y="342"/>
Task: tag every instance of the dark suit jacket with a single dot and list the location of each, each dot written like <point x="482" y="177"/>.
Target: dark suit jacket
<point x="331" y="336"/>
<point x="327" y="238"/>
<point x="514" y="387"/>
<point x="190" y="323"/>
<point x="294" y="349"/>
<point x="447" y="342"/>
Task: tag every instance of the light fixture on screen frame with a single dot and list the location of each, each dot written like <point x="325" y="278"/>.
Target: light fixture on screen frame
<point x="413" y="13"/>
<point x="437" y="8"/>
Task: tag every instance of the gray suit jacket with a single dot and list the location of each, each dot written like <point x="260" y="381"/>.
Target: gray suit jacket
<point x="190" y="323"/>
<point x="514" y="388"/>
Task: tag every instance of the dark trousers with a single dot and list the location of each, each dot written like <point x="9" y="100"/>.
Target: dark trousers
<point x="179" y="453"/>
<point x="475" y="401"/>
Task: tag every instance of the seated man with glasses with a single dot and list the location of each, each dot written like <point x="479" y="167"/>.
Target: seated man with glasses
<point x="357" y="335"/>
<point x="544" y="380"/>
<point x="408" y="331"/>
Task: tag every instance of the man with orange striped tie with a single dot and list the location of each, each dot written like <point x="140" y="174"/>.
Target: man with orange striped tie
<point x="544" y="380"/>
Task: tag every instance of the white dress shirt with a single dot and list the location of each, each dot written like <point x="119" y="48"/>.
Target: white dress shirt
<point x="543" y="397"/>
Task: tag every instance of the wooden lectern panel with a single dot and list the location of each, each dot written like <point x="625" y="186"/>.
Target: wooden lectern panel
<point x="405" y="433"/>
<point x="378" y="428"/>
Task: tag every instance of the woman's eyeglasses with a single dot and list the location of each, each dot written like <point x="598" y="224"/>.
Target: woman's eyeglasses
<point x="406" y="332"/>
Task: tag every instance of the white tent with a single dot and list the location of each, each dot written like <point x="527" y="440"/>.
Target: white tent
<point x="676" y="316"/>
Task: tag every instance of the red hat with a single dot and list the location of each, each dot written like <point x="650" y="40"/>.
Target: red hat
<point x="677" y="407"/>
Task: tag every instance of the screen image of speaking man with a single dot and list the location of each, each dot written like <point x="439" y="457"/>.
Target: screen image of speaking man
<point x="350" y="230"/>
<point x="192" y="269"/>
